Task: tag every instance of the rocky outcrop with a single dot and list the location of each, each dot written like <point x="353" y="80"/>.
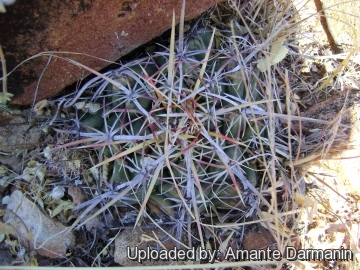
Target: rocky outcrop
<point x="92" y="32"/>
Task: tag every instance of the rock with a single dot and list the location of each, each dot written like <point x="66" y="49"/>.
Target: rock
<point x="257" y="240"/>
<point x="133" y="238"/>
<point x="46" y="236"/>
<point x="16" y="136"/>
<point x="265" y="239"/>
<point x="87" y="30"/>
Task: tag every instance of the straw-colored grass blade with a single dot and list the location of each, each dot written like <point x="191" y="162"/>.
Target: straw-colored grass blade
<point x="149" y="190"/>
<point x="127" y="152"/>
<point x="205" y="62"/>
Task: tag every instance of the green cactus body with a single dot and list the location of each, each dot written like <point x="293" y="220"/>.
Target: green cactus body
<point x="161" y="203"/>
<point x="138" y="128"/>
<point x="237" y="85"/>
<point x="95" y="121"/>
<point x="168" y="190"/>
<point x="120" y="173"/>
<point x="201" y="130"/>
<point x="234" y="152"/>
<point x="251" y="172"/>
<point x="198" y="45"/>
<point x="113" y="122"/>
<point x="134" y="80"/>
<point x="235" y="127"/>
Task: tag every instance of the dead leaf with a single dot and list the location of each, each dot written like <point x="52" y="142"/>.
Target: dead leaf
<point x="302" y="200"/>
<point x="277" y="54"/>
<point x="278" y="51"/>
<point x="77" y="195"/>
<point x="39" y="106"/>
<point x="80" y="105"/>
<point x="6" y="229"/>
<point x="63" y="206"/>
<point x="92" y="107"/>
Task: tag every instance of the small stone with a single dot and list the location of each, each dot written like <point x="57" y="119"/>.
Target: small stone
<point x="258" y="240"/>
<point x="134" y="238"/>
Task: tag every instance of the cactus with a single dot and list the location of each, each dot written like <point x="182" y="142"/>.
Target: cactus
<point x="179" y="126"/>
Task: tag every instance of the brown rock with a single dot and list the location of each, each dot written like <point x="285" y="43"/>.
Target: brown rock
<point x="46" y="236"/>
<point x="265" y="240"/>
<point x="87" y="30"/>
<point x="136" y="239"/>
<point x="259" y="240"/>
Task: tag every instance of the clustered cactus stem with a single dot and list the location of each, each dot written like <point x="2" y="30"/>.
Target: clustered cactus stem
<point x="180" y="129"/>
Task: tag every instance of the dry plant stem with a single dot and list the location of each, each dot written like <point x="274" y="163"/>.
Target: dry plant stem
<point x="272" y="132"/>
<point x="323" y="21"/>
<point x="162" y="229"/>
<point x="181" y="42"/>
<point x="3" y="66"/>
<point x="289" y="126"/>
<point x="149" y="190"/>
<point x="299" y="140"/>
<point x="181" y="29"/>
<point x="39" y="80"/>
<point x="336" y="71"/>
<point x="55" y="54"/>
<point x="335" y="127"/>
<point x="111" y="240"/>
<point x="289" y="94"/>
<point x="345" y="62"/>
